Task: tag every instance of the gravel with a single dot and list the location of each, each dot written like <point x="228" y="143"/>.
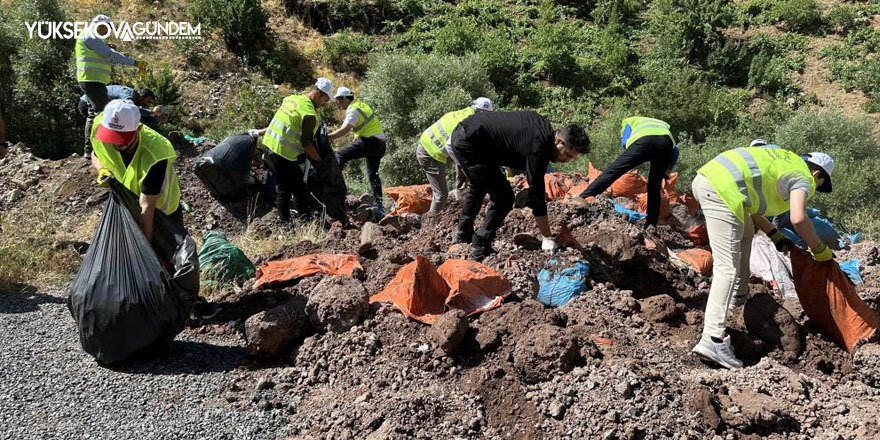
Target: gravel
<point x="50" y="388"/>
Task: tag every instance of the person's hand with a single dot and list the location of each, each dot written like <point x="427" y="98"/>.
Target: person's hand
<point x="782" y="243"/>
<point x="103" y="178"/>
<point x="142" y="69"/>
<point x="822" y="253"/>
<point x="548" y="244"/>
<point x="254" y="133"/>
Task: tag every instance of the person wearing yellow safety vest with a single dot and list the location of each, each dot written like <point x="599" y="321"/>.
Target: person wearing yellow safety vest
<point x="93" y="60"/>
<point x="369" y="139"/>
<point x="643" y="140"/>
<point x="431" y="151"/>
<point x="289" y="141"/>
<point x="736" y="191"/>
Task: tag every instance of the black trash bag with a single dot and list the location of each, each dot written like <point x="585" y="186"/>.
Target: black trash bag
<point x="224" y="169"/>
<point x="123" y="299"/>
<point x="325" y="180"/>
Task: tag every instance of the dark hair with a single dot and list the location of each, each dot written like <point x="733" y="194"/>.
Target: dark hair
<point x="814" y="167"/>
<point x="146" y="93"/>
<point x="575" y="137"/>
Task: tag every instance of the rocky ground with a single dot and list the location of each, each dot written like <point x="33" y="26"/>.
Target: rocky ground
<point x="314" y="360"/>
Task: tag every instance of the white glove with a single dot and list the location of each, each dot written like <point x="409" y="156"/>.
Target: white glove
<point x="254" y="133"/>
<point x="548" y="244"/>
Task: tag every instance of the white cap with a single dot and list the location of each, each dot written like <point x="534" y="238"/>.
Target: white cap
<point x="483" y="103"/>
<point x="101" y="18"/>
<point x="324" y="85"/>
<point x="343" y="92"/>
<point x="120" y="122"/>
<point x="758" y="143"/>
<point x="825" y="162"/>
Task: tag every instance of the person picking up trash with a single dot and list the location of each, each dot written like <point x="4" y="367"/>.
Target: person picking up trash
<point x="483" y="143"/>
<point x="289" y="139"/>
<point x="369" y="139"/>
<point x="643" y="140"/>
<point x="432" y="150"/>
<point x="736" y="190"/>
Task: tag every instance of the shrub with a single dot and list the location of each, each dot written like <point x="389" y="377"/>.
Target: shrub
<point x="845" y="18"/>
<point x="347" y="51"/>
<point x="689" y="29"/>
<point x="795" y="15"/>
<point x="435" y="84"/>
<point x="623" y="12"/>
<point x="242" y="23"/>
<point x="251" y="106"/>
<point x="328" y="16"/>
<point x="164" y="86"/>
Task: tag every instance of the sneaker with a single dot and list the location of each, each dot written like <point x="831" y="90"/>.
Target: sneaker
<point x="464" y="237"/>
<point x="204" y="310"/>
<point x="717" y="352"/>
<point x="481" y="248"/>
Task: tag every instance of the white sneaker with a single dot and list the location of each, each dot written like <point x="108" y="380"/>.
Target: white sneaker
<point x="718" y="352"/>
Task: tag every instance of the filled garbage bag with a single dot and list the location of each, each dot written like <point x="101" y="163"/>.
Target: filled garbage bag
<point x="830" y="301"/>
<point x="221" y="261"/>
<point x="415" y="199"/>
<point x="276" y="273"/>
<point x="558" y="284"/>
<point x="473" y="287"/>
<point x="123" y="299"/>
<point x="224" y="169"/>
<point x="824" y="229"/>
<point x="630" y="184"/>
<point x="699" y="260"/>
<point x="325" y="180"/>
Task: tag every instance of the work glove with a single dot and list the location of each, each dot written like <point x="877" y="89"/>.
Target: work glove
<point x="103" y="178"/>
<point x="254" y="133"/>
<point x="781" y="242"/>
<point x="822" y="253"/>
<point x="548" y="244"/>
<point x="142" y="69"/>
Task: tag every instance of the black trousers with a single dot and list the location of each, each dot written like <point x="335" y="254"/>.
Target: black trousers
<point x="97" y="95"/>
<point x="372" y="149"/>
<point x="288" y="182"/>
<point x="485" y="179"/>
<point x="654" y="149"/>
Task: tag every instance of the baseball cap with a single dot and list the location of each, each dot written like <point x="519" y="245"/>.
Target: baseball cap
<point x="483" y="103"/>
<point x="120" y="122"/>
<point x="758" y="143"/>
<point x="101" y="18"/>
<point x="325" y="86"/>
<point x="826" y="163"/>
<point x="343" y="92"/>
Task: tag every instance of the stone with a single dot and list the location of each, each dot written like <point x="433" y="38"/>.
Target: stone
<point x="448" y="331"/>
<point x="371" y="235"/>
<point x="544" y="351"/>
<point x="337" y="304"/>
<point x="659" y="308"/>
<point x="769" y="321"/>
<point x="556" y="410"/>
<point x="271" y="332"/>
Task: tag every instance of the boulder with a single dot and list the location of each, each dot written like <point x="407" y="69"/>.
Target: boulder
<point x="337" y="304"/>
<point x="272" y="332"/>
<point x="448" y="331"/>
<point x="371" y="235"/>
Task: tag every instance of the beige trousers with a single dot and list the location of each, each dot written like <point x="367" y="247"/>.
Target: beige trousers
<point x="731" y="243"/>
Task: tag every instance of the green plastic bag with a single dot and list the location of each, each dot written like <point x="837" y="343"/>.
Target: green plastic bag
<point x="221" y="261"/>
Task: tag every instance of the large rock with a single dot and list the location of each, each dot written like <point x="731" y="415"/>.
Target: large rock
<point x="770" y="322"/>
<point x="371" y="235"/>
<point x="448" y="331"/>
<point x="753" y="412"/>
<point x="272" y="332"/>
<point x="544" y="351"/>
<point x="337" y="304"/>
<point x="660" y="308"/>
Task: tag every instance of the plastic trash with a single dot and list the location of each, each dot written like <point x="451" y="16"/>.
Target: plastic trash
<point x="221" y="261"/>
<point x="631" y="215"/>
<point x="325" y="181"/>
<point x="558" y="285"/>
<point x="851" y="269"/>
<point x="415" y="199"/>
<point x="824" y="228"/>
<point x="277" y="273"/>
<point x="224" y="169"/>
<point x="699" y="260"/>
<point x="194" y="139"/>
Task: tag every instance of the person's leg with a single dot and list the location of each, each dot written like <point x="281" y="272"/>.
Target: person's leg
<point x="500" y="201"/>
<point x="283" y="184"/>
<point x="305" y="205"/>
<point x="355" y="150"/>
<point x="96" y="93"/>
<point x="473" y="201"/>
<point x="741" y="289"/>
<point x="436" y="173"/>
<point x="375" y="150"/>
<point x="660" y="148"/>
<point x="632" y="157"/>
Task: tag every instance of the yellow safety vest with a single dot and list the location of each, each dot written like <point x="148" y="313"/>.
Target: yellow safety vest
<point x="434" y="139"/>
<point x="90" y="65"/>
<point x="284" y="133"/>
<point x="152" y="148"/>
<point x="641" y="127"/>
<point x="746" y="178"/>
<point x="368" y="124"/>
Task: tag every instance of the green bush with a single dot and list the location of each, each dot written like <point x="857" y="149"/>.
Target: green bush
<point x="435" y="84"/>
<point x="623" y="12"/>
<point x="845" y="18"/>
<point x="242" y="23"/>
<point x="164" y="86"/>
<point x="252" y="106"/>
<point x="347" y="51"/>
<point x="689" y="29"/>
<point x="850" y="141"/>
<point x="371" y="16"/>
<point x="795" y="15"/>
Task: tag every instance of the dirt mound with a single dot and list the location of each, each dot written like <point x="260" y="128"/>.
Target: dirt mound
<point x="773" y="324"/>
<point x="337" y="304"/>
<point x="544" y="351"/>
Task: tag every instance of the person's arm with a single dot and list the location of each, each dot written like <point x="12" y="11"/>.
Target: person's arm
<point x="340" y="132"/>
<point x="535" y="168"/>
<point x="351" y="120"/>
<point x="98" y="45"/>
<point x="801" y="221"/>
<point x="96" y="164"/>
<point x="308" y="141"/>
<point x="151" y="187"/>
<point x="148" y="209"/>
<point x="763" y="224"/>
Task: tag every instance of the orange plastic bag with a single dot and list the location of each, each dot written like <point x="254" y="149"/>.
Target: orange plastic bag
<point x="415" y="199"/>
<point x="274" y="273"/>
<point x="831" y="302"/>
<point x="669" y="187"/>
<point x="698" y="234"/>
<point x="691" y="202"/>
<point x="592" y="173"/>
<point x="665" y="211"/>
<point x="699" y="259"/>
<point x="473" y="287"/>
<point x="631" y="184"/>
<point x="557" y="185"/>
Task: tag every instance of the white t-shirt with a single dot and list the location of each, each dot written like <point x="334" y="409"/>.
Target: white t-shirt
<point x="352" y="117"/>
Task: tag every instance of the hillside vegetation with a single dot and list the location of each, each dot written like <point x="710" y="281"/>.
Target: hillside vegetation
<point x="721" y="72"/>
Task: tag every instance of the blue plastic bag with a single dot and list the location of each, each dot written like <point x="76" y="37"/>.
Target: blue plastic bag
<point x="631" y="216"/>
<point x="558" y="286"/>
<point x="851" y="269"/>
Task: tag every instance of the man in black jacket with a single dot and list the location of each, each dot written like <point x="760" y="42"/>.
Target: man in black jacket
<point x="483" y="143"/>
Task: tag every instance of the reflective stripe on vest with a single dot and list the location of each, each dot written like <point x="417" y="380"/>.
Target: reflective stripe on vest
<point x="284" y="134"/>
<point x="641" y="127"/>
<point x="368" y="125"/>
<point x="434" y="139"/>
<point x="90" y="65"/>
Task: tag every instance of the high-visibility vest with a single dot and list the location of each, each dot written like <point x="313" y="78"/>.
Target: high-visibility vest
<point x="746" y="178"/>
<point x="152" y="148"/>
<point x="434" y="139"/>
<point x="90" y="65"/>
<point x="641" y="127"/>
<point x="283" y="136"/>
<point x="368" y="124"/>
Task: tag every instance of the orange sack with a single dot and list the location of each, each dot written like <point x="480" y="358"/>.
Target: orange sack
<point x="830" y="301"/>
<point x="665" y="210"/>
<point x="631" y="184"/>
<point x="415" y="199"/>
<point x="699" y="259"/>
<point x="557" y="185"/>
<point x="669" y="187"/>
<point x="422" y="293"/>
<point x="698" y="234"/>
<point x="592" y="173"/>
<point x="279" y="272"/>
<point x="691" y="202"/>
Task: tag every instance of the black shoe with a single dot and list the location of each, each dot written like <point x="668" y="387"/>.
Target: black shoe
<point x="481" y="248"/>
<point x="204" y="310"/>
<point x="464" y="237"/>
